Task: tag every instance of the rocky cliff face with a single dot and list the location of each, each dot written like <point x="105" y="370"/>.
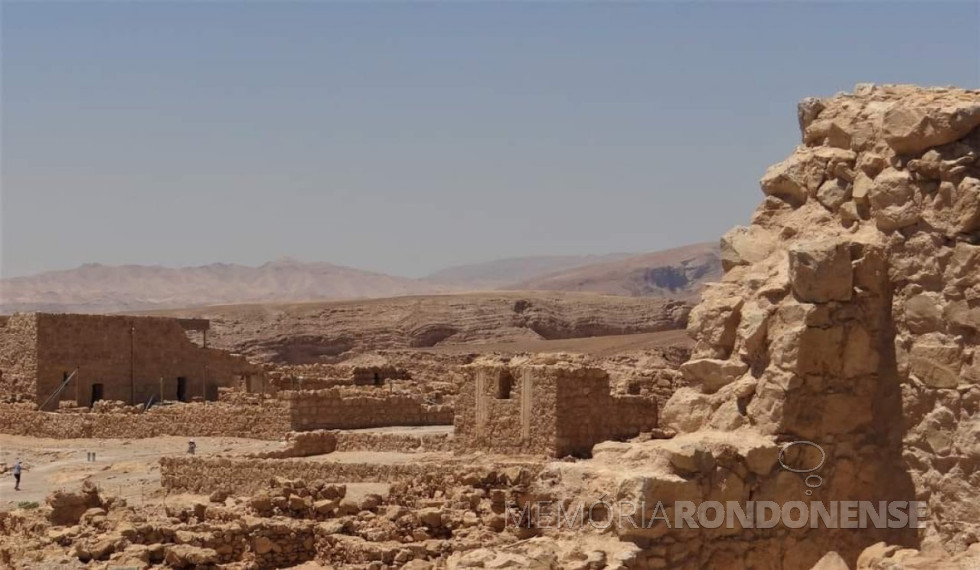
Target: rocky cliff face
<point x="677" y="273"/>
<point x="849" y="313"/>
<point x="848" y="318"/>
<point x="332" y="331"/>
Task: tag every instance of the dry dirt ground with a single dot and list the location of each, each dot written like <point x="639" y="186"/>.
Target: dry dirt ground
<point x="127" y="468"/>
<point x="130" y="468"/>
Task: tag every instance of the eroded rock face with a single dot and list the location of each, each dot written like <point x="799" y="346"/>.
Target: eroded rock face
<point x="852" y="307"/>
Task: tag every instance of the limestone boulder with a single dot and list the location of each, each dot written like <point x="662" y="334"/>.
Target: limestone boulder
<point x="687" y="410"/>
<point x="961" y="272"/>
<point x="820" y="271"/>
<point x="792" y="179"/>
<point x="187" y="556"/>
<point x="911" y="129"/>
<point x="713" y="322"/>
<point x="961" y="314"/>
<point x="753" y="328"/>
<point x="935" y="360"/>
<point x="712" y="374"/>
<point x="923" y="313"/>
<point x="893" y="200"/>
<point x="746" y="245"/>
<point x="966" y="206"/>
<point x="833" y="193"/>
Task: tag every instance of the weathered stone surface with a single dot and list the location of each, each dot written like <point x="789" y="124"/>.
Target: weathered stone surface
<point x="914" y="128"/>
<point x="821" y="271"/>
<point x="187" y="556"/>
<point x="893" y="200"/>
<point x="712" y="374"/>
<point x="687" y="410"/>
<point x="745" y="245"/>
<point x="923" y="313"/>
<point x="936" y="361"/>
<point x="884" y="317"/>
<point x="714" y="321"/>
<point x="966" y="207"/>
<point x="790" y="180"/>
<point x="834" y="193"/>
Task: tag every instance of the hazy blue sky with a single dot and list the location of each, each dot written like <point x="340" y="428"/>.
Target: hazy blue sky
<point x="403" y="137"/>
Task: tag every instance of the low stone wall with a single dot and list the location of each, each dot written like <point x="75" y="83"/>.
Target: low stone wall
<point x="331" y="409"/>
<point x="302" y="444"/>
<point x="249" y="476"/>
<point x="204" y="544"/>
<point x="410" y="482"/>
<point x="362" y="441"/>
<point x="269" y="422"/>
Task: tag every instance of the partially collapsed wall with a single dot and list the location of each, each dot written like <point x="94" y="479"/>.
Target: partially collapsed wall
<point x="848" y="318"/>
<point x="849" y="313"/>
<point x="551" y="410"/>
<point x="332" y="409"/>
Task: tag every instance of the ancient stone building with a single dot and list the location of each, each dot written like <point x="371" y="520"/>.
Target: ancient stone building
<point x="112" y="357"/>
<point x="551" y="410"/>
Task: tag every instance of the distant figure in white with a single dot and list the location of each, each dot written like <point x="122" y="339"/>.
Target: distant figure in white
<point x="191" y="446"/>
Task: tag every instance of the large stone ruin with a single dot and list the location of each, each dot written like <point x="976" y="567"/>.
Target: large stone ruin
<point x="849" y="312"/>
<point x="848" y="318"/>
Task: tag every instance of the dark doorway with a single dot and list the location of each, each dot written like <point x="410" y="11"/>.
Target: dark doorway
<point x="377" y="379"/>
<point x="96" y="393"/>
<point x="504" y="385"/>
<point x="181" y="389"/>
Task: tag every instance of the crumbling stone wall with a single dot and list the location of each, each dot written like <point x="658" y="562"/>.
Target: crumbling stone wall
<point x="269" y="422"/>
<point x="253" y="476"/>
<point x="332" y="409"/>
<point x="18" y="358"/>
<point x="377" y="375"/>
<point x="849" y="312"/>
<point x="545" y="410"/>
<point x="302" y="444"/>
<point x="382" y="441"/>
<point x="249" y="476"/>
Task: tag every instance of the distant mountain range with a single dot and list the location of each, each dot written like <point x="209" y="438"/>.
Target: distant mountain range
<point x="104" y="288"/>
<point x="96" y="288"/>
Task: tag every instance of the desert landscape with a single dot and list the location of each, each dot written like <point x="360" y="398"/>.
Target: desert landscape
<point x="629" y="411"/>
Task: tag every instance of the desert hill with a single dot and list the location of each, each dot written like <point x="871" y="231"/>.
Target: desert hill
<point x="97" y="288"/>
<point x="104" y="288"/>
<point x="505" y="272"/>
<point x="674" y="273"/>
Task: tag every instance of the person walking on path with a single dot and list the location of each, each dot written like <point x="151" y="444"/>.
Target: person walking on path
<point x="17" y="468"/>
